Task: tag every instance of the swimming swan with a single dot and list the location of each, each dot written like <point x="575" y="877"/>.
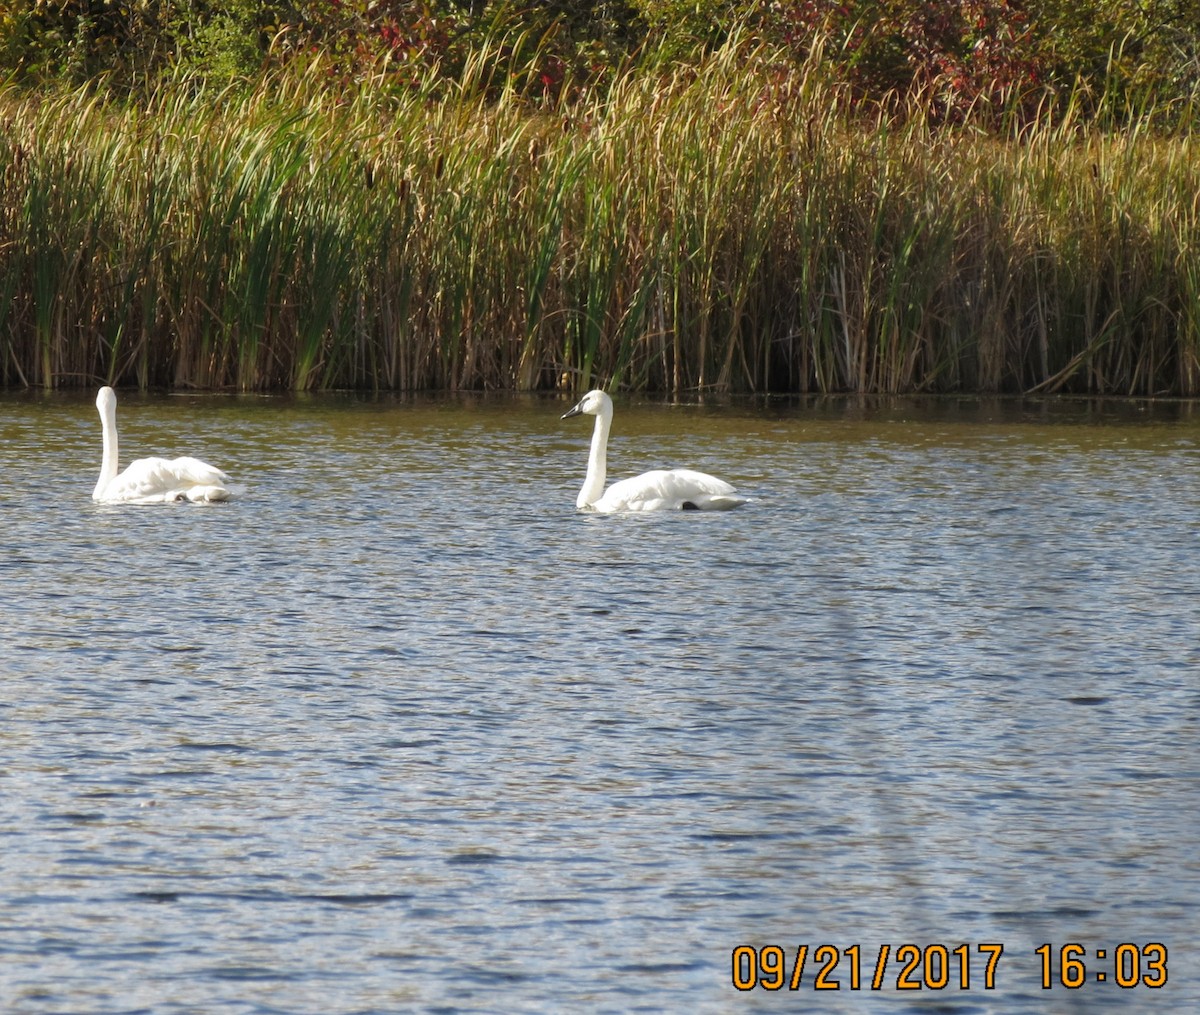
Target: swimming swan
<point x="660" y="490"/>
<point x="151" y="480"/>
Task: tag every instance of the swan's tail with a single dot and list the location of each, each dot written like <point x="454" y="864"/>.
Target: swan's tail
<point x="714" y="502"/>
<point x="722" y="502"/>
<point x="208" y="494"/>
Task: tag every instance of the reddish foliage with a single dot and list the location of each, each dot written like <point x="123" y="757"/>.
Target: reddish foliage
<point x="954" y="53"/>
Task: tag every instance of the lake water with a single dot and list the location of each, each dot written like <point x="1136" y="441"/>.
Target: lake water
<point x="399" y="730"/>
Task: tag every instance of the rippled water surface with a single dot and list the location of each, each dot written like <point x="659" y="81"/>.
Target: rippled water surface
<point x="400" y="731"/>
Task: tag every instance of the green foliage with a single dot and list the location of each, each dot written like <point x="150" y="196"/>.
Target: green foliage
<point x="223" y="44"/>
<point x="1136" y="52"/>
<point x="131" y="43"/>
<point x="680" y="27"/>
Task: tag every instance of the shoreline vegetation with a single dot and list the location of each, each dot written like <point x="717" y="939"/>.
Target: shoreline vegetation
<point x="727" y="223"/>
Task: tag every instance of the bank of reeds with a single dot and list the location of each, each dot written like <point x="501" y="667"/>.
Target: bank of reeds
<point x="732" y="227"/>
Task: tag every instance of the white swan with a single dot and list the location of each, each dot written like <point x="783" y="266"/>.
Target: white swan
<point x="659" y="490"/>
<point x="151" y="480"/>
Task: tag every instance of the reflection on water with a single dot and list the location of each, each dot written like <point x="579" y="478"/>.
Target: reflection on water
<point x="400" y="730"/>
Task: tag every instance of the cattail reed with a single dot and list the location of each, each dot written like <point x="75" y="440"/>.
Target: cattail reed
<point x="742" y="226"/>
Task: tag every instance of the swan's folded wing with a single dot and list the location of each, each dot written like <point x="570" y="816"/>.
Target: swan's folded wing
<point x="670" y="490"/>
<point x="150" y="480"/>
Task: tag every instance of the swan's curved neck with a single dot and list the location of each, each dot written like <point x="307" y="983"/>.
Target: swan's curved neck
<point x="597" y="470"/>
<point x="108" y="465"/>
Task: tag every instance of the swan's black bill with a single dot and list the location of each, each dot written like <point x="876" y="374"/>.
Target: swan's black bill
<point x="572" y="412"/>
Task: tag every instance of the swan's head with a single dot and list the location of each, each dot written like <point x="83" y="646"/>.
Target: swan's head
<point x="106" y="399"/>
<point x="594" y="403"/>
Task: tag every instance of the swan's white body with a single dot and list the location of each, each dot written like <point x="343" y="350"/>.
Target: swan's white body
<point x="151" y="480"/>
<point x="659" y="490"/>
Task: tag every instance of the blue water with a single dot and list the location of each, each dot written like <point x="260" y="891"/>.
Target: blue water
<point x="400" y="731"/>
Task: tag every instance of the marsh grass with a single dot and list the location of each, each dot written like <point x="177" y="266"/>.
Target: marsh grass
<point x="734" y="227"/>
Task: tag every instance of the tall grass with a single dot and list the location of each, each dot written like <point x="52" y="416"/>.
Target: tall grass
<point x="733" y="226"/>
